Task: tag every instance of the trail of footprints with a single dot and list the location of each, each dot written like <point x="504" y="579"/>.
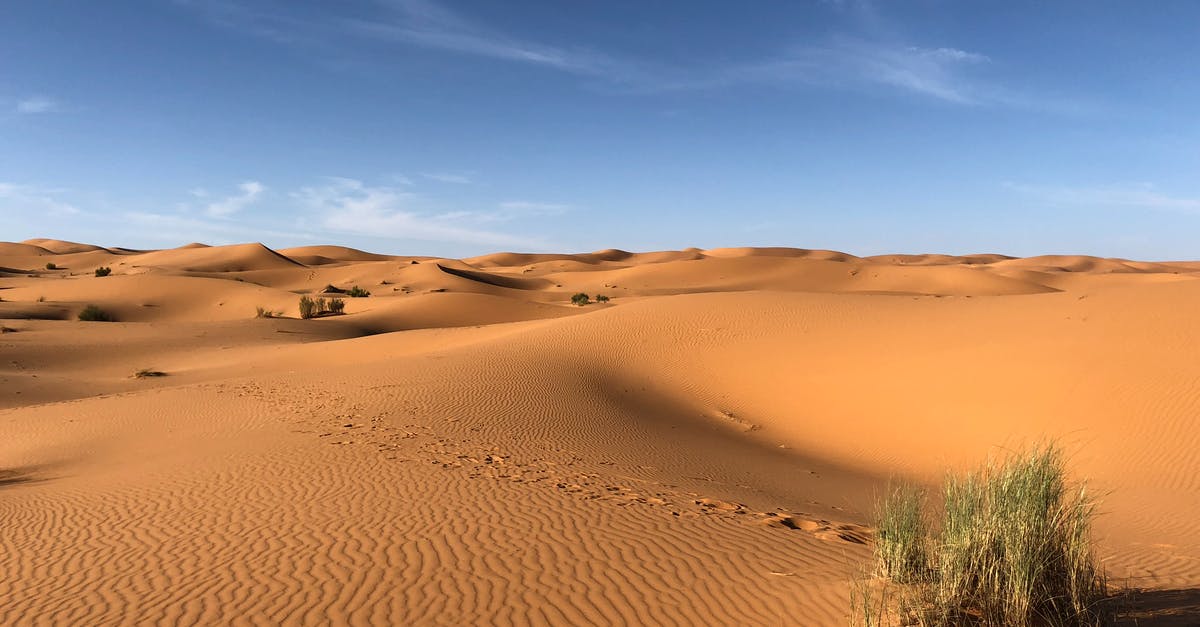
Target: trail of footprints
<point x="343" y="423"/>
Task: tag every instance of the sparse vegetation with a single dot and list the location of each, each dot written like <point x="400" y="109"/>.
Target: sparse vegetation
<point x="103" y="271"/>
<point x="93" y="313"/>
<point x="313" y="308"/>
<point x="262" y="312"/>
<point x="601" y="298"/>
<point x="1012" y="547"/>
<point x="357" y="292"/>
<point x="50" y="265"/>
<point x="581" y="299"/>
<point x="148" y="372"/>
<point x="308" y="307"/>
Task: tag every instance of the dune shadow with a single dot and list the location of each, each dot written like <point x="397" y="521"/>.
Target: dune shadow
<point x="10" y="477"/>
<point x="1157" y="608"/>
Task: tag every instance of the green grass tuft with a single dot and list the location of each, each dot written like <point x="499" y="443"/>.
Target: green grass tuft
<point x="903" y="539"/>
<point x="1012" y="547"/>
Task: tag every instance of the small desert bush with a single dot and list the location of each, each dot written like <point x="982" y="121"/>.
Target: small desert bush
<point x="311" y="308"/>
<point x="148" y="372"/>
<point x="50" y="265"/>
<point x="308" y="307"/>
<point x="580" y="299"/>
<point x="601" y="298"/>
<point x="357" y="292"/>
<point x="103" y="271"/>
<point x="93" y="313"/>
<point x="262" y="312"/>
<point x="1011" y="546"/>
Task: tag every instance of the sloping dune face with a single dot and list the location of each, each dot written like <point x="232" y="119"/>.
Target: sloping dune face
<point x="466" y="446"/>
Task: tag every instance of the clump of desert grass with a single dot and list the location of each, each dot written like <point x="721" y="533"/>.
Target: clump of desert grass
<point x="93" y="313"/>
<point x="1011" y="545"/>
<point x="263" y="312"/>
<point x="146" y="373"/>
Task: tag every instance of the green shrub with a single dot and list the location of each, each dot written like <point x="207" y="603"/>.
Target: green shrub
<point x="1013" y="547"/>
<point x="337" y="305"/>
<point x="51" y="266"/>
<point x="308" y="307"/>
<point x="601" y="298"/>
<point x="103" y="271"/>
<point x="357" y="292"/>
<point x="580" y="299"/>
<point x="93" y="313"/>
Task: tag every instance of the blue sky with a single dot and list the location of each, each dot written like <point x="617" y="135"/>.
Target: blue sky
<point x="456" y="127"/>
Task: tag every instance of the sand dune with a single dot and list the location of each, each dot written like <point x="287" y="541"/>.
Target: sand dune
<point x="464" y="446"/>
<point x="236" y="258"/>
<point x="62" y="247"/>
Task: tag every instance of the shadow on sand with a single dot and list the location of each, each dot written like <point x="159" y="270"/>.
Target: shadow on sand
<point x="1157" y="608"/>
<point x="19" y="476"/>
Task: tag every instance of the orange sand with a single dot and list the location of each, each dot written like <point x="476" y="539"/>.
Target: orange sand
<point x="465" y="446"/>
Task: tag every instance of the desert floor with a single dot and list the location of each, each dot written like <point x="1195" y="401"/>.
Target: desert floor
<point x="465" y="446"/>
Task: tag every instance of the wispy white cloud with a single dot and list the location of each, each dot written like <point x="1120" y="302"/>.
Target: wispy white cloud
<point x="38" y="104"/>
<point x="525" y="208"/>
<point x="249" y="192"/>
<point x="179" y="228"/>
<point x="448" y="177"/>
<point x="351" y="206"/>
<point x="939" y="73"/>
<point x="428" y="24"/>
<point x="869" y="56"/>
<point x="1137" y="195"/>
<point x="16" y="197"/>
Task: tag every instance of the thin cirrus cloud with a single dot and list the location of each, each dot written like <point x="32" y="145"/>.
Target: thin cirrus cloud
<point x="17" y="198"/>
<point x="249" y="192"/>
<point x="351" y="206"/>
<point x="428" y="24"/>
<point x="448" y="177"/>
<point x="859" y="60"/>
<point x="1136" y="196"/>
<point x="38" y="104"/>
